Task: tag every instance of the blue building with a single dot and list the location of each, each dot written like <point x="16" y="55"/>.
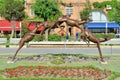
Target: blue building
<point x="101" y="24"/>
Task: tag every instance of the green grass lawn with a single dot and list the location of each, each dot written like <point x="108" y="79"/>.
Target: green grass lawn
<point x="113" y="62"/>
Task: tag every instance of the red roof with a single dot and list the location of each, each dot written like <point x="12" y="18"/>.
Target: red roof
<point x="6" y="26"/>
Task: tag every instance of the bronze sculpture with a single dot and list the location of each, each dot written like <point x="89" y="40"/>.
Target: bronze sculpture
<point x="51" y="25"/>
<point x="26" y="38"/>
<point x="73" y="22"/>
<point x="30" y="35"/>
<point x="88" y="36"/>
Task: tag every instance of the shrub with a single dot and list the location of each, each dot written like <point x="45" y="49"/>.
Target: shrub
<point x="37" y="38"/>
<point x="54" y="37"/>
<point x="51" y="37"/>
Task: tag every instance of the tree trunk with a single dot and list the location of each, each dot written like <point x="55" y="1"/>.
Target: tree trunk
<point x="13" y="28"/>
<point x="46" y="31"/>
<point x="46" y="35"/>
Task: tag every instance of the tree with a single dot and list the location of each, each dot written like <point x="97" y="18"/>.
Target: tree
<point x="116" y="16"/>
<point x="113" y="13"/>
<point x="85" y="13"/>
<point x="12" y="10"/>
<point x="47" y="10"/>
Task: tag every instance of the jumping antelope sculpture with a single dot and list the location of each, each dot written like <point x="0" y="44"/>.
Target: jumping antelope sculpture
<point x="73" y="22"/>
<point x="26" y="38"/>
<point x="51" y="25"/>
<point x="88" y="36"/>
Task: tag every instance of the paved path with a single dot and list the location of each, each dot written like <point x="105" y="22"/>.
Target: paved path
<point x="105" y="50"/>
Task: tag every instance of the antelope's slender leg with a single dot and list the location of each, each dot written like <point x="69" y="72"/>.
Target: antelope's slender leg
<point x="100" y="53"/>
<point x="21" y="44"/>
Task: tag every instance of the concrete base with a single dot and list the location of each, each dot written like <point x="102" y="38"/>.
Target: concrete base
<point x="60" y="45"/>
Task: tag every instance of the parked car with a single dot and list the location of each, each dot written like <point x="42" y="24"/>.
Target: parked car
<point x="117" y="35"/>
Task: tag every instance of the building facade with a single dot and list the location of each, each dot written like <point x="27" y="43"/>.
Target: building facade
<point x="74" y="10"/>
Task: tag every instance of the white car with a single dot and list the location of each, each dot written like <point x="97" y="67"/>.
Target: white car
<point x="117" y="35"/>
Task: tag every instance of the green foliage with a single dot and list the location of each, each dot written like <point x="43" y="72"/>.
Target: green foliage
<point x="54" y="37"/>
<point x="84" y="14"/>
<point x="24" y="28"/>
<point x="101" y="5"/>
<point x="7" y="44"/>
<point x="7" y="36"/>
<point x="12" y="9"/>
<point x="51" y="37"/>
<point x="8" y="40"/>
<point x="97" y="5"/>
<point x="37" y="38"/>
<point x="116" y="13"/>
<point x="34" y="19"/>
<point x="99" y="35"/>
<point x="111" y="34"/>
<point x="113" y="14"/>
<point x="46" y="9"/>
<point x="114" y="76"/>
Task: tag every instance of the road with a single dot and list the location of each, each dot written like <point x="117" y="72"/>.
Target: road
<point x="108" y="50"/>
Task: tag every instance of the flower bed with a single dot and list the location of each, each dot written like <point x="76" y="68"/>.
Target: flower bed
<point x="56" y="72"/>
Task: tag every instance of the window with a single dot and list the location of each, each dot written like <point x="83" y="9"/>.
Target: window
<point x="69" y="10"/>
<point x="101" y="16"/>
<point x="32" y="12"/>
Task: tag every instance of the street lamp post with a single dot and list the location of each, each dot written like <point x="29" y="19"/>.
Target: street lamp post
<point x="108" y="7"/>
<point x="106" y="30"/>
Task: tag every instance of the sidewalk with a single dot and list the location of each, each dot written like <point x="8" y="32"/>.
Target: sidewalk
<point x="110" y="46"/>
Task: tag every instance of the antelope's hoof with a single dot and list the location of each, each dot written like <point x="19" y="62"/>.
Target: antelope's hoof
<point x="103" y="62"/>
<point x="10" y="62"/>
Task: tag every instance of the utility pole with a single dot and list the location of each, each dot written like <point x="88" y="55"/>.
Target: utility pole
<point x="79" y="9"/>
